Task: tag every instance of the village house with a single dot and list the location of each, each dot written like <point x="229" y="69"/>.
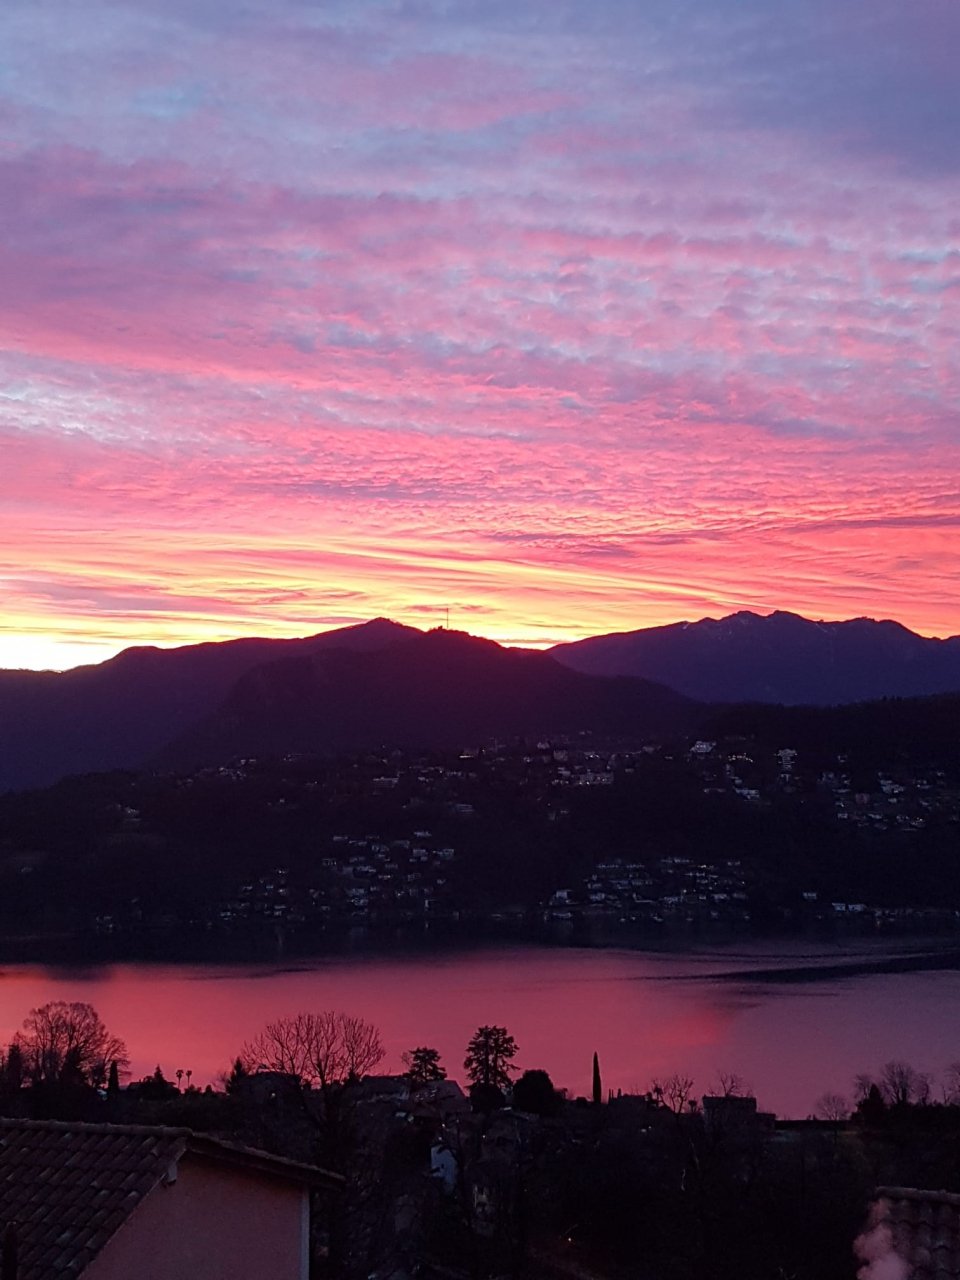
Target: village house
<point x="108" y="1202"/>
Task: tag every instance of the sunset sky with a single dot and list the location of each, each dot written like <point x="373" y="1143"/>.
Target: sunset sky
<point x="573" y="317"/>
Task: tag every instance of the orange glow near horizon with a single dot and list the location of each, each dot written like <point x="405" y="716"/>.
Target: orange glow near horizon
<point x="77" y="597"/>
<point x="530" y="605"/>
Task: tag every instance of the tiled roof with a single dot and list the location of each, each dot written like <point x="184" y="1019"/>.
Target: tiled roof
<point x="68" y="1187"/>
<point x="924" y="1230"/>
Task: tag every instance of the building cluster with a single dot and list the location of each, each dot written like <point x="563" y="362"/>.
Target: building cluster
<point x="885" y="799"/>
<point x="672" y="889"/>
<point x="539" y="835"/>
<point x="430" y="1185"/>
<point x="356" y="879"/>
<point x="419" y="877"/>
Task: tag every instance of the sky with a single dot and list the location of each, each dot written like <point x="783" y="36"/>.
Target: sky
<point x="569" y="317"/>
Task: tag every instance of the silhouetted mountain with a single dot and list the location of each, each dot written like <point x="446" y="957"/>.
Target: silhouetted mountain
<point x="120" y="712"/>
<point x="381" y="683"/>
<point x="782" y="658"/>
<point x="439" y="689"/>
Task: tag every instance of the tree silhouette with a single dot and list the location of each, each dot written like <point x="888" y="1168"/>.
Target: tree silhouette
<point x="155" y="1087"/>
<point x="488" y="1058"/>
<point x="833" y="1107"/>
<point x="238" y="1074"/>
<point x="730" y="1084"/>
<point x="871" y="1108"/>
<point x="534" y="1092"/>
<point x="322" y="1050"/>
<point x="66" y="1043"/>
<point x="901" y="1084"/>
<point x="423" y="1066"/>
<point x="673" y="1092"/>
<point x="12" y="1074"/>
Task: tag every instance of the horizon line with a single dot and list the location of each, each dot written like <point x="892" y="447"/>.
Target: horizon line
<point x="506" y="641"/>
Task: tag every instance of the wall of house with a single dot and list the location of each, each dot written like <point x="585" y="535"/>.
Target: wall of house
<point x="214" y="1222"/>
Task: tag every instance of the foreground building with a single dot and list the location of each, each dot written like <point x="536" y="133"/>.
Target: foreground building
<point x="911" y="1235"/>
<point x="110" y="1202"/>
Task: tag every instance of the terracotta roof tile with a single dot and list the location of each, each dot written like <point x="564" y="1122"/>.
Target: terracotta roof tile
<point x="924" y="1230"/>
<point x="68" y="1187"/>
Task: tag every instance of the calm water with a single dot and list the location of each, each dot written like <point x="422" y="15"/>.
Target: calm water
<point x="645" y="1014"/>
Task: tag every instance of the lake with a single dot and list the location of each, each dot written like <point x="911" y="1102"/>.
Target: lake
<point x="795" y="1021"/>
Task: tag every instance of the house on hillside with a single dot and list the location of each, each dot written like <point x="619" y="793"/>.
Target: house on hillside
<point x="110" y="1202"/>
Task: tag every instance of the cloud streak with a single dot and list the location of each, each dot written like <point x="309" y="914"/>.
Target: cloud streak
<point x="572" y="320"/>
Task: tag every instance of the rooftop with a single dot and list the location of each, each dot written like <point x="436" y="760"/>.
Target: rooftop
<point x="68" y="1187"/>
<point x="921" y="1227"/>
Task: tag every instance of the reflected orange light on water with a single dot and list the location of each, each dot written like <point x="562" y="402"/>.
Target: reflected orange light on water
<point x="646" y="1016"/>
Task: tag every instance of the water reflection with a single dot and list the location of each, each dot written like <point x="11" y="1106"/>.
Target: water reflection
<point x="646" y="1015"/>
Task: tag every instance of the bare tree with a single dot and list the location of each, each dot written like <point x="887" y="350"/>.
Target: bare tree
<point x="902" y="1084"/>
<point x="832" y="1106"/>
<point x="322" y="1050"/>
<point x="862" y="1084"/>
<point x="673" y="1092"/>
<point x="730" y="1085"/>
<point x="65" y="1042"/>
<point x="325" y="1053"/>
<point x="363" y="1047"/>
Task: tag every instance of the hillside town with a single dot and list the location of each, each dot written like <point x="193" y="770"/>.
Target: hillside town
<point x="552" y="839"/>
<point x="416" y="879"/>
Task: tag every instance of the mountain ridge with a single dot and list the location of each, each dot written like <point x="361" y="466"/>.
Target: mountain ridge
<point x="780" y="657"/>
<point x="366" y="685"/>
<point x="118" y="713"/>
<point x="381" y="681"/>
<point x="439" y="688"/>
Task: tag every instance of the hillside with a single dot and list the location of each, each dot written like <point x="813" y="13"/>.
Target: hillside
<point x="781" y="658"/>
<point x="440" y="689"/>
<point x="381" y="683"/>
<point x="119" y="713"/>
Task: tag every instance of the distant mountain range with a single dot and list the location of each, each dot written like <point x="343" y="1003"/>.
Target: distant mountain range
<point x="377" y="684"/>
<point x="120" y="713"/>
<point x="383" y="684"/>
<point x="442" y="688"/>
<point x="782" y="658"/>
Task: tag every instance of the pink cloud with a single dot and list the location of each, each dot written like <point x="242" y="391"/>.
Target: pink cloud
<point x="299" y="316"/>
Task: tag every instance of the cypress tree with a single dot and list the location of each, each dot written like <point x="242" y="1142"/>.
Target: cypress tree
<point x="13" y="1067"/>
<point x="597" y="1083"/>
